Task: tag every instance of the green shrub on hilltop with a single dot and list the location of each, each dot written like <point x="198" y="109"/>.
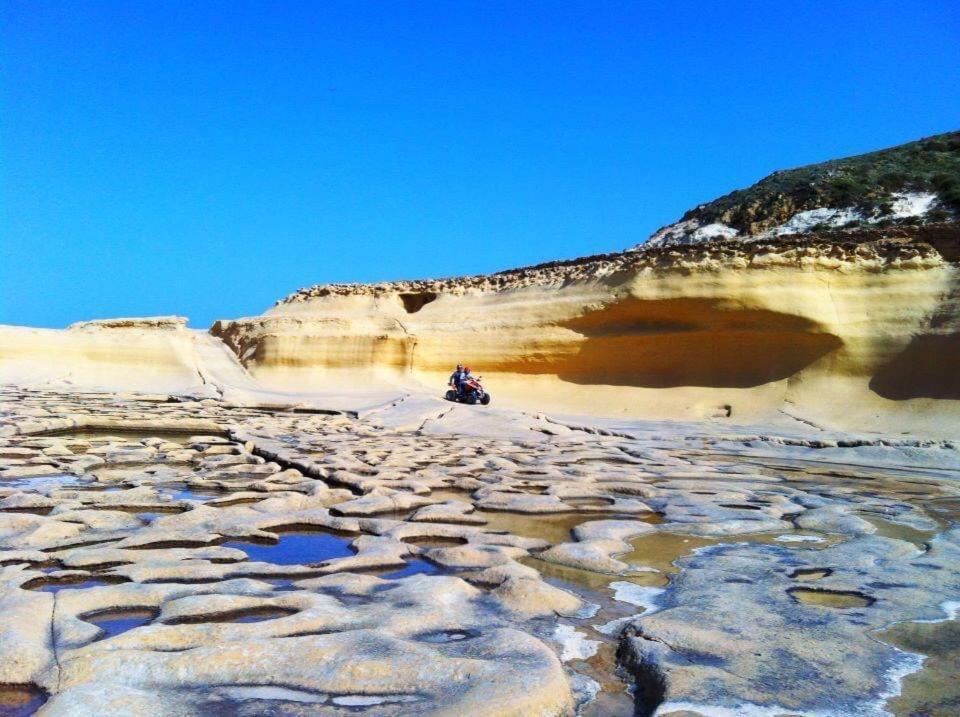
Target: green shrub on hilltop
<point x="948" y="188"/>
<point x="865" y="182"/>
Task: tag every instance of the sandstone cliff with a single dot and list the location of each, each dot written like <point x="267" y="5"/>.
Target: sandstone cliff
<point x="141" y="355"/>
<point x="848" y="329"/>
<point x="144" y="354"/>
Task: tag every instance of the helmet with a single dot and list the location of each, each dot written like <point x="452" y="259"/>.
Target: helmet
<point x="466" y="370"/>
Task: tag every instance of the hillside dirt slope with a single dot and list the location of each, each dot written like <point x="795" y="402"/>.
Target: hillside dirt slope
<point x="908" y="185"/>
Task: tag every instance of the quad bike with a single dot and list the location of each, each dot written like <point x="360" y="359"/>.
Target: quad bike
<point x="471" y="392"/>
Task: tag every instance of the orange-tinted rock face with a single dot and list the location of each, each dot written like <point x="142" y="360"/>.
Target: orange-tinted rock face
<point x="693" y="342"/>
<point x="842" y="327"/>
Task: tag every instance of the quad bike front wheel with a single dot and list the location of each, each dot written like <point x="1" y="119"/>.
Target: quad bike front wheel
<point x="486" y="399"/>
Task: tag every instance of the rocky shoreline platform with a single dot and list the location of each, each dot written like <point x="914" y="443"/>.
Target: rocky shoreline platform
<point x="176" y="556"/>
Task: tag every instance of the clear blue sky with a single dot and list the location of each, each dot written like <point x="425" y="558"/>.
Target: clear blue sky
<point x="207" y="158"/>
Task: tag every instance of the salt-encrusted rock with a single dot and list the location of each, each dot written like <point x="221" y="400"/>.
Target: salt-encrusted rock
<point x="240" y="563"/>
<point x="24" y="633"/>
<point x="835" y="519"/>
<point x="593" y="551"/>
<point x="532" y="597"/>
<point x="760" y="618"/>
<point x="383" y="503"/>
<point x="450" y="511"/>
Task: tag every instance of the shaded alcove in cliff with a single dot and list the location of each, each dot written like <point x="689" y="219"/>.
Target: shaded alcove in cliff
<point x="929" y="367"/>
<point x="413" y="302"/>
<point x="691" y="342"/>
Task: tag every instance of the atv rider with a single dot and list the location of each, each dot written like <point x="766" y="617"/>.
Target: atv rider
<point x="457" y="377"/>
<point x="463" y="380"/>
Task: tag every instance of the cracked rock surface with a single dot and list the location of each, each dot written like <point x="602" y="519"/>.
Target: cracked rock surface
<point x="198" y="557"/>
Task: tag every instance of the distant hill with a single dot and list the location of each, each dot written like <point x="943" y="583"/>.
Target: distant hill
<point x="913" y="183"/>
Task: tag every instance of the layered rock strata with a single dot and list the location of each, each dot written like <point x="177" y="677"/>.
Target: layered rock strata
<point x="838" y="329"/>
<point x="157" y="354"/>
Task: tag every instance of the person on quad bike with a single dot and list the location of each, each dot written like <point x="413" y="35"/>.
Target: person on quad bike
<point x="456" y="378"/>
<point x="465" y="376"/>
<point x="464" y="388"/>
<point x="463" y="380"/>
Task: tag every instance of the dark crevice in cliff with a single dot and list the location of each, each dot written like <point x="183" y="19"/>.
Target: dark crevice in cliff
<point x="413" y="302"/>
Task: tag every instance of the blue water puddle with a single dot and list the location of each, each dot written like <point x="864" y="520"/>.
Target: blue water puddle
<point x="55" y="587"/>
<point x="307" y="548"/>
<point x="296" y="549"/>
<point x="42" y="484"/>
<point x="439" y="637"/>
<point x="281" y="584"/>
<point x="196" y="494"/>
<point x="414" y="566"/>
<point x="54" y="567"/>
<point x="115" y="622"/>
<point x="20" y="700"/>
<point x="311" y="548"/>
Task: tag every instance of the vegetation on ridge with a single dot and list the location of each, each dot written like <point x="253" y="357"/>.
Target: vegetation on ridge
<point x="865" y="182"/>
